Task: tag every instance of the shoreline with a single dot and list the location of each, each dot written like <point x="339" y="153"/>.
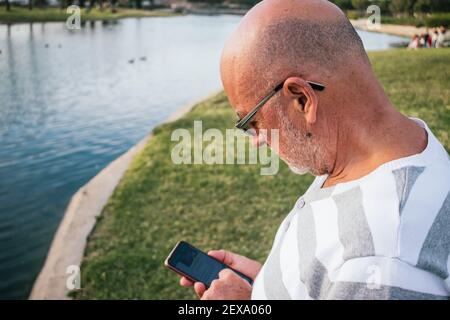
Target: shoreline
<point x="86" y="205"/>
<point x="61" y="16"/>
<point x="70" y="239"/>
<point x="19" y="15"/>
<point x="392" y="29"/>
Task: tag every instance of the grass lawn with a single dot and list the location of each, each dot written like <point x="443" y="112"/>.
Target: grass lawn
<point x="18" y="14"/>
<point x="224" y="206"/>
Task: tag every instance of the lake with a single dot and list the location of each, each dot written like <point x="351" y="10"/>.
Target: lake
<point x="73" y="101"/>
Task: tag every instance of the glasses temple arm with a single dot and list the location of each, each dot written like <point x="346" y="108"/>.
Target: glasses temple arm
<point x="250" y="115"/>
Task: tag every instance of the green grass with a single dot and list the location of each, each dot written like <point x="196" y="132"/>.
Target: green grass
<point x="224" y="206"/>
<point x="19" y="14"/>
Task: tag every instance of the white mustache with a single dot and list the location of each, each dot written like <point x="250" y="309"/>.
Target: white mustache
<point x="300" y="171"/>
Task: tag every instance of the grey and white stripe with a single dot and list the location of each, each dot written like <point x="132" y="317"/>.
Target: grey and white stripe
<point x="384" y="236"/>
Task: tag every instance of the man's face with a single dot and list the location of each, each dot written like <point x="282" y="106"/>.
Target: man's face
<point x="292" y="145"/>
<point x="245" y="88"/>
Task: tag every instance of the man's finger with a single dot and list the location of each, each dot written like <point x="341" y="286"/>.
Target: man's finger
<point x="223" y="256"/>
<point x="228" y="273"/>
<point x="199" y="289"/>
<point x="185" y="282"/>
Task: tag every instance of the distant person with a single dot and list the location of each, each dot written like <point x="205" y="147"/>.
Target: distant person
<point x="441" y="37"/>
<point x="427" y="40"/>
<point x="421" y="42"/>
<point x="375" y="223"/>
<point x="414" y="43"/>
<point x="434" y="38"/>
<point x="424" y="41"/>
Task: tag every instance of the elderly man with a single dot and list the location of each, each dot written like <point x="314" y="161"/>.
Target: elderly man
<point x="375" y="223"/>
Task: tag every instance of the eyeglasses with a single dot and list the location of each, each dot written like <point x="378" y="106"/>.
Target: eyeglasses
<point x="243" y="123"/>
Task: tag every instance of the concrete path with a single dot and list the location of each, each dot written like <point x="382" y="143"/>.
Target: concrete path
<point x="86" y="205"/>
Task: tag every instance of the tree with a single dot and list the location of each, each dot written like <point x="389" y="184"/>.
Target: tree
<point x="8" y="8"/>
<point x="38" y="3"/>
<point x="30" y="4"/>
<point x="343" y="4"/>
<point x="138" y="4"/>
<point x="422" y="6"/>
<point x="91" y="4"/>
<point x="440" y="5"/>
<point x="113" y="5"/>
<point x="360" y="5"/>
<point x="250" y="2"/>
<point x="402" y="6"/>
<point x="383" y="4"/>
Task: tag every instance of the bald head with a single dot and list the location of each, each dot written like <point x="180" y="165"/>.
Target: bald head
<point x="279" y="38"/>
<point x="294" y="42"/>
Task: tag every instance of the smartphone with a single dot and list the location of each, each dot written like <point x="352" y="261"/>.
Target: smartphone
<point x="196" y="265"/>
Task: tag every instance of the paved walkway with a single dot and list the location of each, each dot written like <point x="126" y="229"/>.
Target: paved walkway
<point x="398" y="30"/>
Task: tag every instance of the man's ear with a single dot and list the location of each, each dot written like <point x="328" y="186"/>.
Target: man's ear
<point x="302" y="96"/>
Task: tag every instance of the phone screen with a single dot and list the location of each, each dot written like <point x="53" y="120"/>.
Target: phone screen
<point x="197" y="265"/>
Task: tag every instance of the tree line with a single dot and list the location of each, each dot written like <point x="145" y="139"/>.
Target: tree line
<point x="397" y="7"/>
<point x="82" y="3"/>
<point x="393" y="7"/>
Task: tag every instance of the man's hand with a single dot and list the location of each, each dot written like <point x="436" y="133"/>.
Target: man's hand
<point x="229" y="285"/>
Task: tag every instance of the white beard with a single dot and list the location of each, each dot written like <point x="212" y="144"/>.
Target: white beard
<point x="300" y="171"/>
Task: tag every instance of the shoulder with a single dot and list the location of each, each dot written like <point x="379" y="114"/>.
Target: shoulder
<point x="391" y="213"/>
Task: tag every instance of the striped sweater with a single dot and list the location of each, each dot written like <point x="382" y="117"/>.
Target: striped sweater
<point x="383" y="236"/>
